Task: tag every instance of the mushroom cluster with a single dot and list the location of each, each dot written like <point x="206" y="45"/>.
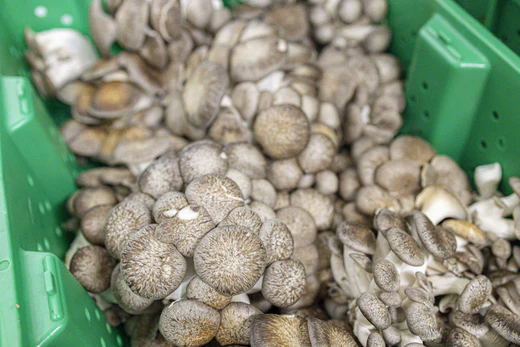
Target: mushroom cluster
<point x="253" y="190"/>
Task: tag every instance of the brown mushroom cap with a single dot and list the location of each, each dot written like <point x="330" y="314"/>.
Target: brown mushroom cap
<point x="115" y="99"/>
<point x="93" y="222"/>
<point x="386" y="276"/>
<point x="318" y="205"/>
<point x="284" y="282"/>
<point x="218" y="194"/>
<point x="405" y="247"/>
<point x="126" y="299"/>
<point x="92" y="266"/>
<point x="236" y="323"/>
<point x="162" y="176"/>
<point x="413" y="148"/>
<point x="357" y="237"/>
<point x="504" y="323"/>
<point x="198" y="290"/>
<point x="374" y="310"/>
<point x="277" y="240"/>
<point x="91" y="197"/>
<point x="461" y="338"/>
<point x="466" y="230"/>
<point x="282" y="131"/>
<point x="185" y="229"/>
<point x="475" y="294"/>
<point x="152" y="269"/>
<point x="246" y="158"/>
<point x="324" y="334"/>
<point x="285" y="173"/>
<point x="123" y="220"/>
<point x="231" y="259"/>
<point x="189" y="323"/>
<point x="271" y="330"/>
<point x="202" y="158"/>
<point x="300" y="224"/>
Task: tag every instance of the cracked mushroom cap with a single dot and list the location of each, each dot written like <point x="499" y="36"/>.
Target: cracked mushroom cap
<point x="168" y="205"/>
<point x="185" y="229"/>
<point x="245" y="217"/>
<point x="151" y="269"/>
<point x="475" y="295"/>
<point x="440" y="242"/>
<point x="356" y="236"/>
<point x="282" y="131"/>
<point x="271" y="330"/>
<point x="162" y="176"/>
<point x="92" y="266"/>
<point x="189" y="323"/>
<point x="386" y="276"/>
<point x="277" y="240"/>
<point x="231" y="259"/>
<point x="126" y="299"/>
<point x="325" y="334"/>
<point x="124" y="220"/>
<point x="413" y="148"/>
<point x="405" y="247"/>
<point x="320" y="206"/>
<point x="504" y="322"/>
<point x="218" y="194"/>
<point x="300" y="224"/>
<point x="203" y="92"/>
<point x="198" y="290"/>
<point x="202" y="158"/>
<point x="93" y="222"/>
<point x="461" y="338"/>
<point x="236" y="323"/>
<point x="374" y="310"/>
<point x="284" y="282"/>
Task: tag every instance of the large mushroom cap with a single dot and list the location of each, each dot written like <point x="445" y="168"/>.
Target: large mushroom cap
<point x="92" y="266"/>
<point x="504" y="322"/>
<point x="231" y="259"/>
<point x="284" y="282"/>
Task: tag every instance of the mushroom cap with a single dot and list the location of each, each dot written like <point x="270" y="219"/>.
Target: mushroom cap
<point x="282" y="131"/>
<point x="189" y="323"/>
<point x="405" y="247"/>
<point x="218" y="194"/>
<point x="265" y="212"/>
<point x="93" y="222"/>
<point x="466" y="230"/>
<point x="168" y="205"/>
<point x="348" y="184"/>
<point x="126" y="299"/>
<point x="362" y="260"/>
<point x="472" y="323"/>
<point x="318" y="154"/>
<point x="243" y="216"/>
<point x="91" y="197"/>
<point x="246" y="158"/>
<point x="369" y="161"/>
<point x="236" y="323"/>
<point x="300" y="224"/>
<point x="290" y="20"/>
<point x="413" y="148"/>
<point x="475" y="294"/>
<point x="271" y="330"/>
<point x="284" y="173"/>
<point x="391" y="299"/>
<point x="386" y="219"/>
<point x="245" y="97"/>
<point x="392" y="335"/>
<point x="327" y="182"/>
<point x="439" y="203"/>
<point x="231" y="259"/>
<point x="198" y="290"/>
<point x="399" y="176"/>
<point x="92" y="266"/>
<point x="262" y="190"/>
<point x="461" y="338"/>
<point x="386" y="276"/>
<point x="421" y="322"/>
<point x="501" y="248"/>
<point x="440" y="242"/>
<point x="124" y="220"/>
<point x="162" y="176"/>
<point x="356" y="236"/>
<point x="229" y="127"/>
<point x="419" y="295"/>
<point x="151" y="269"/>
<point x="242" y="180"/>
<point x="318" y="205"/>
<point x="284" y="282"/>
<point x="202" y="158"/>
<point x="375" y="340"/>
<point x="372" y="197"/>
<point x="374" y="310"/>
<point x="324" y="334"/>
<point x="277" y="240"/>
<point x="115" y="99"/>
<point x="185" y="229"/>
<point x="504" y="322"/>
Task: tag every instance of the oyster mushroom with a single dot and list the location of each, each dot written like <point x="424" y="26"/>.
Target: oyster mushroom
<point x="440" y="203"/>
<point x="131" y="20"/>
<point x="102" y="27"/>
<point x="504" y="323"/>
<point x="168" y="205"/>
<point x="92" y="224"/>
<point x="247" y="159"/>
<point x="162" y="176"/>
<point x="284" y="174"/>
<point x="324" y="334"/>
<point x="300" y="224"/>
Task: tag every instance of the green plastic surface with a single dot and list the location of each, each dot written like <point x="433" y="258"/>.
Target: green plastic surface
<point x="462" y="89"/>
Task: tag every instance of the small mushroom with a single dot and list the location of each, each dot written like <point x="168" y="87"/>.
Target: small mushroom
<point x="284" y="282"/>
<point x="349" y="184"/>
<point x="245" y="97"/>
<point x="131" y="20"/>
<point x="229" y="127"/>
<point x="374" y="310"/>
<point x="369" y="161"/>
<point x="318" y="154"/>
<point x="371" y="198"/>
<point x="242" y="180"/>
<point x="323" y="334"/>
<point x="236" y="321"/>
<point x="151" y="269"/>
<point x="231" y="259"/>
<point x="375" y="339"/>
<point x="391" y="299"/>
<point x="300" y="224"/>
<point x="277" y="240"/>
<point x="243" y="216"/>
<point x="246" y="158"/>
<point x="308" y="256"/>
<point x="265" y="212"/>
<point x="392" y="335"/>
<point x="204" y="293"/>
<point x="421" y="322"/>
<point x="404" y="247"/>
<point x="162" y="176"/>
<point x="327" y="182"/>
<point x="461" y="338"/>
<point x="199" y="12"/>
<point x="116" y="99"/>
<point x="318" y="205"/>
<point x="102" y="27"/>
<point x="386" y="276"/>
<point x="202" y="158"/>
<point x="284" y="174"/>
<point x="189" y="323"/>
<point x="88" y="198"/>
<point x="271" y="330"/>
<point x="92" y="224"/>
<point x="400" y="176"/>
<point x="168" y="205"/>
<point x="92" y="266"/>
<point x="357" y="237"/>
<point x="263" y="191"/>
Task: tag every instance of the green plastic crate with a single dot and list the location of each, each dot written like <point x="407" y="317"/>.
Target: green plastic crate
<point x="462" y="87"/>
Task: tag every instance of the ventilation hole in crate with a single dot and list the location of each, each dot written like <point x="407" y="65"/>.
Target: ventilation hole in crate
<point x="483" y="144"/>
<point x="66" y="19"/>
<point x="58" y="231"/>
<point x="87" y="314"/>
<point x="97" y="314"/>
<point x="4" y="265"/>
<point x="30" y="180"/>
<point x="413" y="98"/>
<point x="109" y="328"/>
<point x="41" y="11"/>
<point x="41" y="208"/>
<point x="495" y="116"/>
<point x="46" y="243"/>
<point x="501" y="143"/>
<point x="48" y="205"/>
<point x="39" y="247"/>
<point x="119" y="341"/>
<point x="425" y="85"/>
<point x="426" y="114"/>
<point x="103" y="343"/>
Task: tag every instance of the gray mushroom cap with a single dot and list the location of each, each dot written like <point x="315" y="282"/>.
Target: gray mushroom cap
<point x="357" y="237"/>
<point x="374" y="310"/>
<point x="392" y="335"/>
<point x="324" y="334"/>
<point x="271" y="330"/>
<point x="386" y="219"/>
<point x="277" y="240"/>
<point x="475" y="294"/>
<point x="284" y="282"/>
<point x="411" y="147"/>
<point x="168" y="205"/>
<point x="202" y="158"/>
<point x="236" y="323"/>
<point x="391" y="299"/>
<point x="246" y="158"/>
<point x="231" y="259"/>
<point x="504" y="322"/>
<point x="189" y="323"/>
<point x="375" y="340"/>
<point x="421" y="322"/>
<point x="92" y="266"/>
<point x="151" y="269"/>
<point x="162" y="176"/>
<point x="126" y="299"/>
<point x="93" y="222"/>
<point x="319" y="206"/>
<point x="461" y="338"/>
<point x="405" y="247"/>
<point x="386" y="276"/>
<point x="300" y="224"/>
<point x="198" y="290"/>
<point x="472" y="323"/>
<point x="243" y="216"/>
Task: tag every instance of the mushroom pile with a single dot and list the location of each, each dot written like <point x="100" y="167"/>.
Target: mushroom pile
<point x="253" y="190"/>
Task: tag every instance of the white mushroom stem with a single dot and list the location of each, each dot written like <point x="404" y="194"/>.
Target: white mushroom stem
<point x="438" y="203"/>
<point x="359" y="279"/>
<point x="257" y="287"/>
<point x="487" y="179"/>
<point x="407" y="337"/>
<point x="241" y="298"/>
<point x="488" y="216"/>
<point x="508" y="203"/>
<point x="493" y="339"/>
<point x="448" y="284"/>
<point x="361" y="327"/>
